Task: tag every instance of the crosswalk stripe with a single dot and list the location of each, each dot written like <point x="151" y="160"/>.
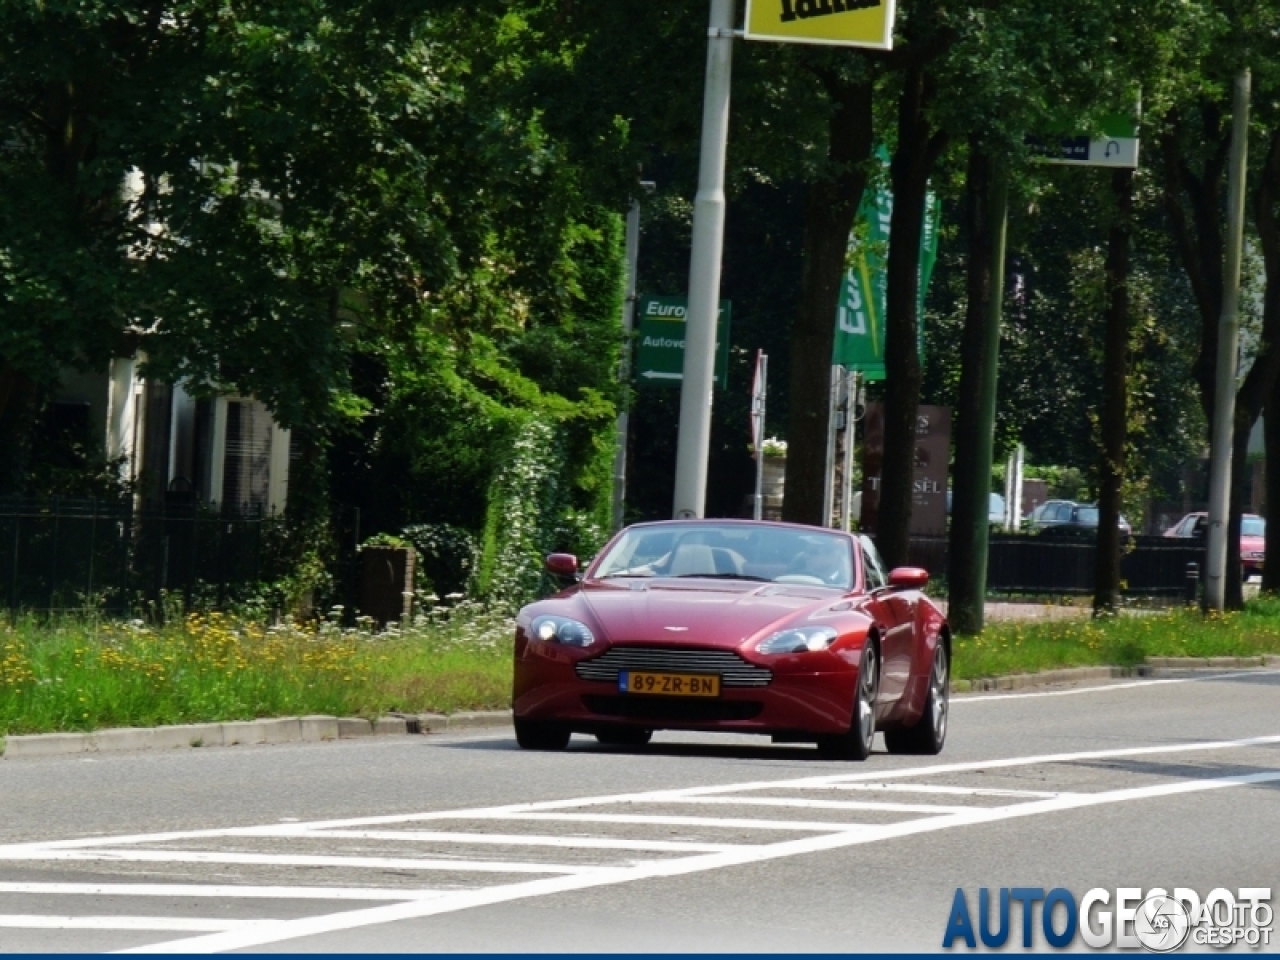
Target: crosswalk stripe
<point x="927" y="788"/>
<point x="524" y="840"/>
<point x="811" y="804"/>
<point x="168" y="924"/>
<point x="732" y="823"/>
<point x="218" y="891"/>
<point x="301" y="860"/>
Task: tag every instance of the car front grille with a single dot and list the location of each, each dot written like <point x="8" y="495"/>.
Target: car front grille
<point x="733" y="670"/>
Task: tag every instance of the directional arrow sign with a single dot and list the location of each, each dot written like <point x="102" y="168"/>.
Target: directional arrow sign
<point x="1117" y="147"/>
<point x="660" y="354"/>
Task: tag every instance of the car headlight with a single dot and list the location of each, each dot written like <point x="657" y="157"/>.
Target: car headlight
<point x="799" y="640"/>
<point x="572" y="633"/>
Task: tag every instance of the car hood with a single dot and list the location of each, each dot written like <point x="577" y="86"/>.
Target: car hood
<point x="722" y="615"/>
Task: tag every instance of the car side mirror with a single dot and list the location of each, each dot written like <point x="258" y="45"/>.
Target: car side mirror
<point x="562" y="565"/>
<point x="908" y="578"/>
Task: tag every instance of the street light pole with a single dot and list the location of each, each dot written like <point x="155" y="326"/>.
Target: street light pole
<point x="1224" y="403"/>
<point x="694" y="442"/>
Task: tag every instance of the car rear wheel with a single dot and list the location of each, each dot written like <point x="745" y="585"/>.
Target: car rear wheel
<point x="856" y="743"/>
<point x="930" y="731"/>
<point x="625" y="737"/>
<point x="540" y="735"/>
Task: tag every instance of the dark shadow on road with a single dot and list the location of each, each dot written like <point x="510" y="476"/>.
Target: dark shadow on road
<point x="712" y="751"/>
<point x="1185" y="771"/>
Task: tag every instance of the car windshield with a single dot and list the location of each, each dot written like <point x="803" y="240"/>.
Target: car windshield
<point x="731" y="552"/>
<point x="1088" y="516"/>
<point x="1253" y="527"/>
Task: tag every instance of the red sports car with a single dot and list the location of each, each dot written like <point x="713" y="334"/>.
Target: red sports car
<point x="1253" y="538"/>
<point x="790" y="631"/>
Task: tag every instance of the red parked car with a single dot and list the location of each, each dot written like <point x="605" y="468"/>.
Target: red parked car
<point x="731" y="626"/>
<point x="1253" y="538"/>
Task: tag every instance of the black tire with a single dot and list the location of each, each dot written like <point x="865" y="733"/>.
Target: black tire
<point x="856" y="743"/>
<point x="929" y="734"/>
<point x="540" y="735"/>
<point x="625" y="737"/>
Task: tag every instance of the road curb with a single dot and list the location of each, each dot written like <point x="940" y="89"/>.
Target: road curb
<point x="1153" y="667"/>
<point x="309" y="729"/>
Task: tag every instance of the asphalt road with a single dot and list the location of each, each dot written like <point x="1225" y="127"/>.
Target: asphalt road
<point x="695" y="843"/>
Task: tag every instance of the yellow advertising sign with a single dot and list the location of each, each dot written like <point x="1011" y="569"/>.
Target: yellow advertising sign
<point x="842" y="23"/>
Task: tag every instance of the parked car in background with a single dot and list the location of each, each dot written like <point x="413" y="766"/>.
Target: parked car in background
<point x="1065" y="518"/>
<point x="995" y="508"/>
<point x="1253" y="538"/>
<point x="1034" y="518"/>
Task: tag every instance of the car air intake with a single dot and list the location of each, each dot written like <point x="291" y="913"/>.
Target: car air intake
<point x="734" y="671"/>
<point x="672" y="709"/>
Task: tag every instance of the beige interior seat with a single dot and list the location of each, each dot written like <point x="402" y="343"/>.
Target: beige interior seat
<point x="692" y="558"/>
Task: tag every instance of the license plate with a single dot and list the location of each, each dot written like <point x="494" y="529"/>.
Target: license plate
<point x="669" y="684"/>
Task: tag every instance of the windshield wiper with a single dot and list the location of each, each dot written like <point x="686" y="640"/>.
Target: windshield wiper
<point x="724" y="576"/>
<point x="616" y="576"/>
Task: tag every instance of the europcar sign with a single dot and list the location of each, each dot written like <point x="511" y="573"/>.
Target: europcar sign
<point x="843" y="23"/>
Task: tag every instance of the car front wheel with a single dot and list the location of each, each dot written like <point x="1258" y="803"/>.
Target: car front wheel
<point x="856" y="743"/>
<point x="540" y="735"/>
<point x="930" y="732"/>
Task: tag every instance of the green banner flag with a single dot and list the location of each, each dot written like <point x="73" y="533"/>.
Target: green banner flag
<point x="859" y="343"/>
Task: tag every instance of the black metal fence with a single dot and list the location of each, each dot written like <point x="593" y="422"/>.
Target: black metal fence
<point x="76" y="554"/>
<point x="1149" y="566"/>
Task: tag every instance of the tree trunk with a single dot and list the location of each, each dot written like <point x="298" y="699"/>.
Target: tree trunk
<point x="830" y="209"/>
<point x="1268" y="227"/>
<point x="1200" y="241"/>
<point x="913" y="160"/>
<point x="1233" y="590"/>
<point x="967" y="581"/>
<point x="1260" y="382"/>
<point x="1271" y="424"/>
<point x="8" y="383"/>
<point x="1115" y="399"/>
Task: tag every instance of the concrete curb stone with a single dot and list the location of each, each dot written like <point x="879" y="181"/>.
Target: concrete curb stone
<point x="313" y="728"/>
<point x="384" y="726"/>
<point x="1155" y="667"/>
<point x="309" y="729"/>
<point x="349" y="727"/>
<point x="472" y="719"/>
<point x="432" y="723"/>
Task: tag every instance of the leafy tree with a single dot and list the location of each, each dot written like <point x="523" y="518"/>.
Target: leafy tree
<point x="1194" y="136"/>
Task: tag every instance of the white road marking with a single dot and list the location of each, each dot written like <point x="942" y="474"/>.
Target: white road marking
<point x="218" y="891"/>
<point x="829" y="836"/>
<point x="21" y="850"/>
<point x="944" y="791"/>
<point x="1108" y="687"/>
<point x="175" y="924"/>
<point x="301" y="860"/>
<point x="523" y="840"/>
<point x="735" y="823"/>
<point x="806" y="802"/>
<point x="463" y="900"/>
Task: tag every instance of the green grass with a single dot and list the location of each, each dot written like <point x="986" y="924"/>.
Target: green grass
<point x="1123" y="641"/>
<point x="78" y="674"/>
<point x="86" y="674"/>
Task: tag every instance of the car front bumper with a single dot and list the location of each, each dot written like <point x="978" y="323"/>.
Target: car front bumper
<point x="798" y="700"/>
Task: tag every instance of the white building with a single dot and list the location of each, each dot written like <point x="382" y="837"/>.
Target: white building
<point x="227" y="451"/>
